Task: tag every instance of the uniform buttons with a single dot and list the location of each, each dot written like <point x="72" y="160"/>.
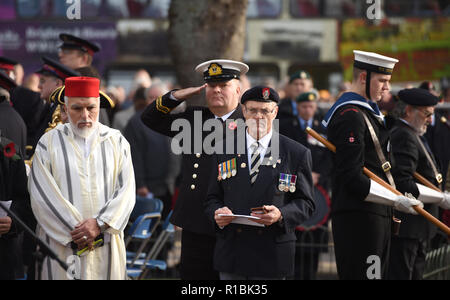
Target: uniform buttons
<point x="194" y="176"/>
<point x="196" y="166"/>
<point x="193" y="187"/>
<point x="197" y="155"/>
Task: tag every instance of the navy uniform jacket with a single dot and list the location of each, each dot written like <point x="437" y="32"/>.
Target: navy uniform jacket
<point x="257" y="251"/>
<point x="409" y="158"/>
<point x="196" y="167"/>
<point x="349" y="133"/>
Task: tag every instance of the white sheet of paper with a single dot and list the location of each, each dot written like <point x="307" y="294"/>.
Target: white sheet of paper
<point x="243" y="219"/>
<point x="8" y="205"/>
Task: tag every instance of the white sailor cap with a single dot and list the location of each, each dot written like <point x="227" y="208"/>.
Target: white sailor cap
<point x="374" y="62"/>
<point x="221" y="70"/>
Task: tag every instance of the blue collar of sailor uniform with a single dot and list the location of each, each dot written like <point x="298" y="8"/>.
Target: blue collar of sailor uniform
<point x="355" y="99"/>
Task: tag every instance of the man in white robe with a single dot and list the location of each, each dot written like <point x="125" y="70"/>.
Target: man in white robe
<point x="82" y="185"/>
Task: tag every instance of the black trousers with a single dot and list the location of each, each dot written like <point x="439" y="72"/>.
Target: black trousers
<point x="358" y="237"/>
<point x="197" y="252"/>
<point x="407" y="259"/>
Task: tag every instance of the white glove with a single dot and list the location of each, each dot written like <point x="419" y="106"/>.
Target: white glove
<point x="445" y="203"/>
<point x="405" y="204"/>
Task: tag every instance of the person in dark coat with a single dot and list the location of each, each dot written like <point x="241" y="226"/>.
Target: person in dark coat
<point x="307" y="258"/>
<point x="35" y="108"/>
<point x="361" y="220"/>
<point x="271" y="172"/>
<point x="13" y="187"/>
<point x="222" y="97"/>
<point x="300" y="82"/>
<point x="155" y="166"/>
<point x="12" y="125"/>
<point x="412" y="154"/>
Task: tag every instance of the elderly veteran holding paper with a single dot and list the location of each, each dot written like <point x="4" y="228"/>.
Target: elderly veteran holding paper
<point x="361" y="209"/>
<point x="412" y="154"/>
<point x="82" y="188"/>
<point x="273" y="173"/>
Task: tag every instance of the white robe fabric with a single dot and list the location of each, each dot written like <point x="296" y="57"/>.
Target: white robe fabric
<point x="66" y="188"/>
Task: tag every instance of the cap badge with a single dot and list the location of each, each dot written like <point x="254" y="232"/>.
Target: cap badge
<point x="311" y="97"/>
<point x="215" y="69"/>
<point x="266" y="93"/>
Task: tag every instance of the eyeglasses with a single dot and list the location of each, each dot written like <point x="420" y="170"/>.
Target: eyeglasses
<point x="254" y="111"/>
<point x="425" y="113"/>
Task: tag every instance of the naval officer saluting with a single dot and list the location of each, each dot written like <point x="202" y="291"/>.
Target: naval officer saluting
<point x="222" y="90"/>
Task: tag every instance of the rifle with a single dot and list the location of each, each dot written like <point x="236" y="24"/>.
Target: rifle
<point x="380" y="181"/>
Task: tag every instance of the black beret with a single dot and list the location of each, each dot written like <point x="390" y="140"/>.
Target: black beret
<point x="418" y="97"/>
<point x="260" y="94"/>
<point x="56" y="69"/>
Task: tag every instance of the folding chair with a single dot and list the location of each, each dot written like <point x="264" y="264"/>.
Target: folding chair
<point x="150" y="262"/>
<point x="143" y="228"/>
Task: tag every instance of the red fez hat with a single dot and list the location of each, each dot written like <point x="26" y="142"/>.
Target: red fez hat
<point x="85" y="87"/>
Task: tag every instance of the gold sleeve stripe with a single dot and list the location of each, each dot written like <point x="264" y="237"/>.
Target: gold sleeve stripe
<point x="160" y="107"/>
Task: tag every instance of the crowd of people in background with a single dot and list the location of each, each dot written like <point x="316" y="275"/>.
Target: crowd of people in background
<point x="156" y="169"/>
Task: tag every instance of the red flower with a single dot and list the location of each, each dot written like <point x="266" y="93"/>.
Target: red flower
<point x="9" y="150"/>
<point x="232" y="126"/>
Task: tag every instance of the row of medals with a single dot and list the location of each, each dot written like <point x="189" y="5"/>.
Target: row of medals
<point x="227" y="169"/>
<point x="287" y="182"/>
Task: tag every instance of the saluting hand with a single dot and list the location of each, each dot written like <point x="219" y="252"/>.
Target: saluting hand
<point x="273" y="215"/>
<point x="223" y="221"/>
<point x="187" y="93"/>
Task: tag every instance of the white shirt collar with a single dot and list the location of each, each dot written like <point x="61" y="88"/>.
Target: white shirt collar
<point x="226" y="116"/>
<point x="263" y="142"/>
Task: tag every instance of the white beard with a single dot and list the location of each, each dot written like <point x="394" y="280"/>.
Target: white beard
<point x="84" y="132"/>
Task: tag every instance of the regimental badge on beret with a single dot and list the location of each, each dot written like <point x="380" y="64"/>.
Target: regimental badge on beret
<point x="215" y="70"/>
<point x="311" y="97"/>
<point x="266" y="93"/>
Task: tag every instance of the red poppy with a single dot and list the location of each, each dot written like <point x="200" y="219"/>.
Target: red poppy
<point x="9" y="150"/>
<point x="232" y="126"/>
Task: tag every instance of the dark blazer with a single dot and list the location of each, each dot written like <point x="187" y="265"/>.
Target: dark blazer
<point x="13" y="186"/>
<point x="409" y="158"/>
<point x="256" y="251"/>
<point x="354" y="150"/>
<point x="438" y="136"/>
<point x="321" y="156"/>
<point x="196" y="167"/>
<point x="34" y="111"/>
<point x="12" y="125"/>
